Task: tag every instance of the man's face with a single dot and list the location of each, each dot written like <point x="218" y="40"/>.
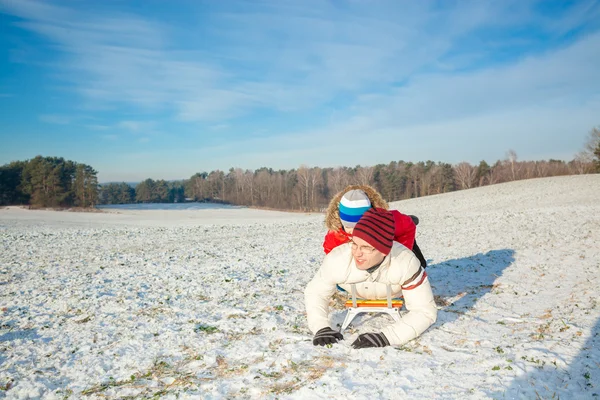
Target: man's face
<point x="365" y="255"/>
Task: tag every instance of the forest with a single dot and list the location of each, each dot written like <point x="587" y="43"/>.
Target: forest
<point x="311" y="188"/>
<point x="53" y="182"/>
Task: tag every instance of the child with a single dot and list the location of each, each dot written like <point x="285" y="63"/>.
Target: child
<point x="346" y="208"/>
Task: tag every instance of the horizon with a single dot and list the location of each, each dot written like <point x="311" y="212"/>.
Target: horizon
<point x="169" y="90"/>
<point x="136" y="182"/>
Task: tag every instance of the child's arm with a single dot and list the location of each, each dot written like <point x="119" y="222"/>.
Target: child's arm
<point x="333" y="239"/>
<point x="405" y="229"/>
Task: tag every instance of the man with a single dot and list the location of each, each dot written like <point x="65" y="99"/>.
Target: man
<point x="372" y="261"/>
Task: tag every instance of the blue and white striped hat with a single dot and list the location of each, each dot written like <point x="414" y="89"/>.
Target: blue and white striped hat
<point x="353" y="205"/>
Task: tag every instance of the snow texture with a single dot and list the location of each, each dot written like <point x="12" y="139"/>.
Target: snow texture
<point x="209" y="303"/>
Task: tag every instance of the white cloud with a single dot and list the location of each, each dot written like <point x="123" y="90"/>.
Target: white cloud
<point x="421" y="76"/>
<point x="110" y="137"/>
<point x="568" y="76"/>
<point x="56" y="119"/>
<point x="97" y="127"/>
<point x="274" y="55"/>
<point x="219" y="127"/>
<point x="533" y="133"/>
<point x="536" y="106"/>
<point x="136" y="126"/>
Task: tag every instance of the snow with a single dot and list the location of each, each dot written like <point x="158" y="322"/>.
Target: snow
<point x="209" y="303"/>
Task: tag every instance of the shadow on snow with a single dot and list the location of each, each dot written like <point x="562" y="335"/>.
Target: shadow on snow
<point x="461" y="282"/>
<point x="580" y="380"/>
<point x="465" y="280"/>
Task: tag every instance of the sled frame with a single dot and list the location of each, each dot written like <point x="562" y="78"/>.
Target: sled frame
<point x="356" y="306"/>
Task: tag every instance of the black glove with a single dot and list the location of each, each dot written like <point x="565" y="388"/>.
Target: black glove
<point x="415" y="219"/>
<point x="326" y="336"/>
<point x="370" y="340"/>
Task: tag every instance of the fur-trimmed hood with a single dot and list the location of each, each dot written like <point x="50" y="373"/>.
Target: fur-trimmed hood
<point x="332" y="215"/>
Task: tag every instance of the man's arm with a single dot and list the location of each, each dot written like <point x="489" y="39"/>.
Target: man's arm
<point x="418" y="298"/>
<point x="317" y="294"/>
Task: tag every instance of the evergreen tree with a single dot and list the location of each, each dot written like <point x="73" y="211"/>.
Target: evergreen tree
<point x="483" y="171"/>
<point x="10" y="184"/>
<point x="176" y="192"/>
<point x="116" y="193"/>
<point x="160" y="192"/>
<point x="85" y="186"/>
<point x="447" y="182"/>
<point x="79" y="186"/>
<point x="56" y="182"/>
<point x="125" y="194"/>
<point x="91" y="186"/>
<point x="144" y="190"/>
<point x="41" y="180"/>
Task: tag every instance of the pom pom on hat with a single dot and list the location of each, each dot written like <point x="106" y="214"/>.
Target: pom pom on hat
<point x="376" y="227"/>
<point x="353" y="205"/>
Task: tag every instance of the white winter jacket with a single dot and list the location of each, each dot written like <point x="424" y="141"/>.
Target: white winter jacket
<point x="401" y="269"/>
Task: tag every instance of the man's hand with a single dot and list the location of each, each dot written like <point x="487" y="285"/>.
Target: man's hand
<point x="326" y="336"/>
<point x="370" y="340"/>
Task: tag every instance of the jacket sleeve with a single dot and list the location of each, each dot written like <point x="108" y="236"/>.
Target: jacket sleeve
<point x="317" y="294"/>
<point x="405" y="229"/>
<point x="333" y="239"/>
<point x="418" y="298"/>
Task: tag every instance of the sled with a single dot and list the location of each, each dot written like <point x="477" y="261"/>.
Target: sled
<point x="357" y="306"/>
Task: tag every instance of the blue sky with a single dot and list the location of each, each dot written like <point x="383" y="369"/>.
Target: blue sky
<point x="165" y="89"/>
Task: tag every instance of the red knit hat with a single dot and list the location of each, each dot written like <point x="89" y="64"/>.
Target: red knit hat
<point x="376" y="227"/>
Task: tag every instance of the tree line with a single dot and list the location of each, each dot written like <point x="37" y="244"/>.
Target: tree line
<point x="48" y="182"/>
<point x="147" y="191"/>
<point x="311" y="188"/>
<point x="52" y="182"/>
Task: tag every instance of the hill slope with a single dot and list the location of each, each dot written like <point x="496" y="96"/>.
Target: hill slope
<point x="215" y="310"/>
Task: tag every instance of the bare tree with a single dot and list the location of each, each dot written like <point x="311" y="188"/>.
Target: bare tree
<point x="427" y="180"/>
<point x="588" y="159"/>
<point x="465" y="175"/>
<point x="541" y="169"/>
<point x="249" y="187"/>
<point x="592" y="142"/>
<point x="304" y="178"/>
<point x="582" y="164"/>
<point x="315" y="182"/>
<point x="338" y="179"/>
<point x="511" y="157"/>
<point x="364" y="175"/>
<point x="495" y="174"/>
<point x="198" y="185"/>
<point x="214" y="184"/>
<point x="530" y="169"/>
<point x="557" y="168"/>
<point x="264" y="187"/>
<point x="414" y="179"/>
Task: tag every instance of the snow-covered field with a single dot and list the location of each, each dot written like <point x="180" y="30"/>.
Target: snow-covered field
<point x="209" y="303"/>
